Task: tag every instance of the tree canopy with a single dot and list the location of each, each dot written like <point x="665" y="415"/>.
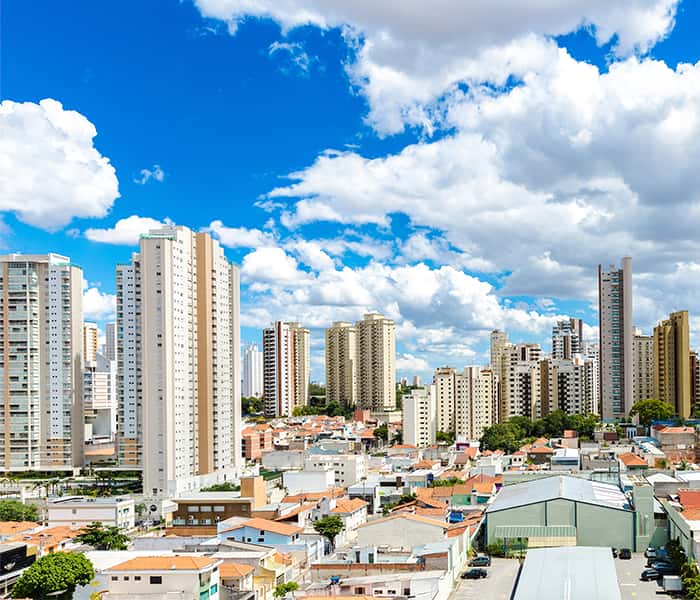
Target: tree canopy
<point x="14" y="510"/>
<point x="56" y="572"/>
<point x="284" y="588"/>
<point x="651" y="410"/>
<point x="103" y="538"/>
<point x="382" y="432"/>
<point x="329" y="527"/>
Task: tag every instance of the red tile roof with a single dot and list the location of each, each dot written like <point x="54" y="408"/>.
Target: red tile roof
<point x="632" y="460"/>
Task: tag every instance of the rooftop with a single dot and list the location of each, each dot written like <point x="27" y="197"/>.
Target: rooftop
<point x="266" y="525"/>
<point x="166" y="563"/>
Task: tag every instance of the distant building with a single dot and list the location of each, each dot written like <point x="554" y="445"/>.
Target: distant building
<point x="616" y="339"/>
<point x="341" y="363"/>
<point x="90" y="346"/>
<point x="499" y="345"/>
<point x="567" y="339"/>
<point x="252" y="385"/>
<point x="522" y="383"/>
<point x="78" y="511"/>
<point x="416" y="382"/>
<point x="566" y="384"/>
<point x="419" y="416"/>
<point x="376" y="362"/>
<point x="643" y="367"/>
<point x="100" y="398"/>
<point x="110" y="346"/>
<point x="286" y="368"/>
<point x="672" y="377"/>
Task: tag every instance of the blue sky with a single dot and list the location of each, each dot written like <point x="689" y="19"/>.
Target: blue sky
<point x="457" y="168"/>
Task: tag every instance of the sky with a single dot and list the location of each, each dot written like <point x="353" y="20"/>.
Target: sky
<point x="458" y="166"/>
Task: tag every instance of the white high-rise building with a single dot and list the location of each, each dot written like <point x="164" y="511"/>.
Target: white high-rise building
<point x="90" y="344"/>
<point x="376" y="362"/>
<point x="445" y="382"/>
<point x="41" y="424"/>
<point x="592" y="351"/>
<point x="643" y="369"/>
<point x="110" y="347"/>
<point x="419" y="416"/>
<point x="566" y="384"/>
<point x="567" y="338"/>
<point x="616" y="340"/>
<point x="179" y="361"/>
<point x="341" y="363"/>
<point x="286" y="368"/>
<point x="522" y="367"/>
<point x="100" y="399"/>
<point x="252" y="372"/>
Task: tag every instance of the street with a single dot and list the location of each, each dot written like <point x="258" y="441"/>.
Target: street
<point x="497" y="586"/>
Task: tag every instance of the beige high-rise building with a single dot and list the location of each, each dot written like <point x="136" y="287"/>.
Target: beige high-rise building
<point x="616" y="334"/>
<point x="567" y="338"/>
<point x="643" y="365"/>
<point x="567" y="385"/>
<point x="286" y="368"/>
<point x="445" y="382"/>
<point x="90" y="342"/>
<point x="672" y="362"/>
<point x="522" y="368"/>
<point x="178" y="361"/>
<point x="341" y="363"/>
<point x="376" y="362"/>
<point x="419" y="416"/>
<point x="499" y="346"/>
<point x="41" y="424"/>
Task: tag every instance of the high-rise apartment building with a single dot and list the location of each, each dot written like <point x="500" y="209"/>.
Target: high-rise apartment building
<point x="567" y="339"/>
<point x="445" y="382"/>
<point x="672" y="362"/>
<point x="178" y="361"/>
<point x="376" y="362"/>
<point x="110" y="347"/>
<point x="522" y="372"/>
<point x="286" y="368"/>
<point x="100" y="399"/>
<point x="252" y="372"/>
<point x="419" y="416"/>
<point x="341" y="363"/>
<point x="592" y="351"/>
<point x="41" y="424"/>
<point x="499" y="344"/>
<point x="616" y="345"/>
<point x="643" y="365"/>
<point x="90" y="343"/>
<point x="567" y="385"/>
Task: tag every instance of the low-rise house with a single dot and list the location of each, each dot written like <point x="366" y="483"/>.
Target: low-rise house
<point x="164" y="578"/>
<point x="78" y="511"/>
<point x="629" y="461"/>
<point x="236" y="579"/>
<point x="9" y="529"/>
<point x="565" y="459"/>
<point x="432" y="585"/>
<point x="349" y="468"/>
<point x="49" y="539"/>
<point x="353" y="512"/>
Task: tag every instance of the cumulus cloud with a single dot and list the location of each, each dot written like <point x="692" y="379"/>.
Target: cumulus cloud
<point x="408" y="55"/>
<point x="97" y="305"/>
<point x="410" y="364"/>
<point x="296" y="56"/>
<point x="125" y="231"/>
<point x="271" y="265"/>
<point x="50" y="170"/>
<point x="240" y="237"/>
<point x="155" y="173"/>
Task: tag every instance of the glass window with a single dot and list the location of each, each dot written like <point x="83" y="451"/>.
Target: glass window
<point x="155" y="579"/>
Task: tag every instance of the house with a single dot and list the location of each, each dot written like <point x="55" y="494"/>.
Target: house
<point x="631" y="462"/>
<point x="297" y="482"/>
<point x="565" y="459"/>
<point x="236" y="579"/>
<point x="260" y="531"/>
<point x="10" y="529"/>
<point x="49" y="539"/>
<point x="353" y="512"/>
<point x="164" y="578"/>
<point x="78" y="511"/>
<point x="349" y="468"/>
<point x="539" y="455"/>
<point x="429" y="584"/>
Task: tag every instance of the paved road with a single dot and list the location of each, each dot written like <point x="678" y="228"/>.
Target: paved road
<point x="631" y="588"/>
<point x="497" y="586"/>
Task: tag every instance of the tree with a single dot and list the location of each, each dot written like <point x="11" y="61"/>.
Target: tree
<point x="329" y="527"/>
<point x="103" y="538"/>
<point x="284" y="588"/>
<point x="225" y="486"/>
<point x="140" y="508"/>
<point x="251" y="405"/>
<point x="500" y="436"/>
<point x="14" y="510"/>
<point x="651" y="410"/>
<point x="449" y="482"/>
<point x="382" y="432"/>
<point x="56" y="572"/>
<point x="445" y="436"/>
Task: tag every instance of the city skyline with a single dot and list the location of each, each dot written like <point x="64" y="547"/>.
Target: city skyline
<point x="340" y="190"/>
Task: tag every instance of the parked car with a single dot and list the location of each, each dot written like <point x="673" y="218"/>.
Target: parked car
<point x="475" y="574"/>
<point x="480" y="561"/>
<point x="650" y="575"/>
<point x="650" y="552"/>
<point x="614" y="552"/>
<point x="625" y="553"/>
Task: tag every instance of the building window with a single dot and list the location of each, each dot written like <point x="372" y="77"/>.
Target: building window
<point x="137" y="577"/>
<point x="155" y="579"/>
<point x="115" y="578"/>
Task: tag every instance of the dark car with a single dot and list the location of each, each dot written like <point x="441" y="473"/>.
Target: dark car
<point x="650" y="552"/>
<point x="614" y="552"/>
<point x="480" y="561"/>
<point x="475" y="574"/>
<point x="664" y="568"/>
<point x="625" y="553"/>
<point x="650" y="575"/>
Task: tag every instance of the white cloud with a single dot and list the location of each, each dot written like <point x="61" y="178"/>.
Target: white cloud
<point x="296" y="53"/>
<point x="50" y="171"/>
<point x="97" y="305"/>
<point x="408" y="363"/>
<point x="271" y="265"/>
<point x="240" y="237"/>
<point x="409" y="54"/>
<point x="155" y="173"/>
<point x="125" y="231"/>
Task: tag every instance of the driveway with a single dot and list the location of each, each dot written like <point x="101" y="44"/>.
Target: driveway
<point x="631" y="588"/>
<point x="498" y="585"/>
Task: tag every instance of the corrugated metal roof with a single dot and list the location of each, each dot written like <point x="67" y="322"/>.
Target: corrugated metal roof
<point x="549" y="488"/>
<point x="571" y="572"/>
<point x="506" y="532"/>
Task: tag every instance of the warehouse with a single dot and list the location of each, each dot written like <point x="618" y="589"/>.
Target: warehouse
<point x="574" y="573"/>
<point x="568" y="511"/>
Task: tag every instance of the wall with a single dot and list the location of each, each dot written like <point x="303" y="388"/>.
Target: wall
<point x="398" y="533"/>
<point x="283" y="459"/>
<point x="307" y="481"/>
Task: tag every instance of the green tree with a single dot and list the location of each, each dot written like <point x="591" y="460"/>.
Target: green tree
<point x="382" y="432"/>
<point x="140" y="508"/>
<point x="651" y="410"/>
<point x="225" y="486"/>
<point x="523" y="427"/>
<point x="52" y="574"/>
<point x="445" y="436"/>
<point x="316" y="389"/>
<point x="449" y="482"/>
<point x="329" y="527"/>
<point x="103" y="538"/>
<point x="285" y="588"/>
<point x="501" y="436"/>
<point x="14" y="510"/>
<point x="251" y="405"/>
